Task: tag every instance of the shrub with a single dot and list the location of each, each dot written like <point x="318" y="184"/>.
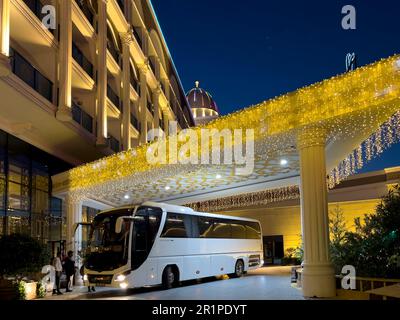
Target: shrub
<point x="41" y="290"/>
<point x="20" y="290"/>
<point x="21" y="254"/>
<point x="293" y="256"/>
<point x="374" y="248"/>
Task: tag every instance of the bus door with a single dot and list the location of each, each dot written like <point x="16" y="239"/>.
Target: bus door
<point x="145" y="227"/>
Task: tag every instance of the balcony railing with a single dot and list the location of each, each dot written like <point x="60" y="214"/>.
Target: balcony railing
<point x="134" y="122"/>
<point x="114" y="51"/>
<point x="137" y="36"/>
<point x="113" y="97"/>
<point x="150" y="107"/>
<point x="86" y="11"/>
<point x="152" y="66"/>
<point x="113" y="143"/>
<point x="135" y="84"/>
<point x="82" y="117"/>
<point x="32" y="77"/>
<point x="161" y="123"/>
<point x="36" y="7"/>
<point x="121" y="5"/>
<point x="82" y="60"/>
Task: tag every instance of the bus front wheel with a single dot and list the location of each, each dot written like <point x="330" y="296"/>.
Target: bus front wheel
<point x="239" y="269"/>
<point x="169" y="277"/>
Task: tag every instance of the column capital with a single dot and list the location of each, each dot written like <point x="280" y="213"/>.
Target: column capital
<point x="157" y="91"/>
<point x="143" y="67"/>
<point x="308" y="137"/>
<point x="126" y="38"/>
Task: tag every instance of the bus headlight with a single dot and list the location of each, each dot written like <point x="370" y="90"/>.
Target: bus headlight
<point x="120" y="278"/>
<point x="85" y="277"/>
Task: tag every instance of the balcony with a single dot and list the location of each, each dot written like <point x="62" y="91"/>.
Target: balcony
<point x="152" y="66"/>
<point x="32" y="77"/>
<point x="135" y="84"/>
<point x="137" y="37"/>
<point x="113" y="50"/>
<point x="86" y="11"/>
<point x="121" y="5"/>
<point x="113" y="143"/>
<point x="82" y="117"/>
<point x="82" y="60"/>
<point x="113" y="98"/>
<point x="150" y="107"/>
<point x="134" y="122"/>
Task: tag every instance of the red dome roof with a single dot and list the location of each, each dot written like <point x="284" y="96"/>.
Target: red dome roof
<point x="200" y="98"/>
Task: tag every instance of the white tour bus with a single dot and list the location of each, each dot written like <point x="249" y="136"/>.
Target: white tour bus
<point x="158" y="243"/>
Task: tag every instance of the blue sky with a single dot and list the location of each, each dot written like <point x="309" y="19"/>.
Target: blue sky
<point x="244" y="52"/>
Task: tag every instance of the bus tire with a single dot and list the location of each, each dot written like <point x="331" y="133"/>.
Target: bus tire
<point x="239" y="269"/>
<point x="169" y="277"/>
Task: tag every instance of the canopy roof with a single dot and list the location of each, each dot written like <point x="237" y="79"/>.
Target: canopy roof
<point x="350" y="107"/>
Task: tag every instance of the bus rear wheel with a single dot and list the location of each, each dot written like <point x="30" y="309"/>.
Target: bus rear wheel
<point x="169" y="277"/>
<point x="239" y="270"/>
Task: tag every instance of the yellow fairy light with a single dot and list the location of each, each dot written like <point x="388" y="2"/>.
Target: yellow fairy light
<point x="364" y="97"/>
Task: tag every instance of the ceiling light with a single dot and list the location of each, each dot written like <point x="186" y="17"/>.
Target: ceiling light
<point x="126" y="196"/>
<point x="167" y="188"/>
<point x="284" y="162"/>
<point x="218" y="176"/>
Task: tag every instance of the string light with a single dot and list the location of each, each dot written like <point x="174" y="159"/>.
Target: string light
<point x="247" y="199"/>
<point x="344" y="105"/>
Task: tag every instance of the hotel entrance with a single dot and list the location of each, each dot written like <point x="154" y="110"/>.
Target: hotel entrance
<point x="273" y="249"/>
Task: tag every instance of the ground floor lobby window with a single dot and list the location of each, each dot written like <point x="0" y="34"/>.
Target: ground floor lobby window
<point x="26" y="203"/>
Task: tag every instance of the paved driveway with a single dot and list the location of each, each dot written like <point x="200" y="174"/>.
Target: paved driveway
<point x="271" y="283"/>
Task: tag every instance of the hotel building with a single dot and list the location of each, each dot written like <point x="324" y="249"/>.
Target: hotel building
<point x="92" y="86"/>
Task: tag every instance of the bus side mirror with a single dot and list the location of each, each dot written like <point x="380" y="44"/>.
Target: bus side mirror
<point x="119" y="221"/>
<point x="118" y="224"/>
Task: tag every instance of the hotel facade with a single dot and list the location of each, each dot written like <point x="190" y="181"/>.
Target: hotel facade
<point x="93" y="86"/>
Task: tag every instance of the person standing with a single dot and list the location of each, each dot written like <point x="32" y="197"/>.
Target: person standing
<point x="69" y="266"/>
<point x="58" y="268"/>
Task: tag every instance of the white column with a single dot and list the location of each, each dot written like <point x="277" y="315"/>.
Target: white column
<point x="143" y="70"/>
<point x="74" y="215"/>
<point x="102" y="130"/>
<point x="318" y="274"/>
<point x="156" y="100"/>
<point x="126" y="39"/>
<point x="65" y="62"/>
<point x="166" y="124"/>
<point x="4" y="37"/>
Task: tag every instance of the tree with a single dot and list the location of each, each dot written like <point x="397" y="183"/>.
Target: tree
<point x="374" y="248"/>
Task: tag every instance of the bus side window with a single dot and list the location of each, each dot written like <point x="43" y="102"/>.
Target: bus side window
<point x="177" y="226"/>
<point x="238" y="230"/>
<point x="205" y="225"/>
<point x="221" y="229"/>
<point x="253" y="230"/>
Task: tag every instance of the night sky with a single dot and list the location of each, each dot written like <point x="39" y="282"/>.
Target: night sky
<point x="244" y="52"/>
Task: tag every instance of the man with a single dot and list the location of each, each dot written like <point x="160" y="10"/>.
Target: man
<point x="69" y="267"/>
<point x="58" y="268"/>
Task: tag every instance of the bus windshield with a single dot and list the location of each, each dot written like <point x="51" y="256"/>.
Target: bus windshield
<point x="108" y="250"/>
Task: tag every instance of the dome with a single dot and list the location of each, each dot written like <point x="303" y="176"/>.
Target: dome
<point x="200" y="98"/>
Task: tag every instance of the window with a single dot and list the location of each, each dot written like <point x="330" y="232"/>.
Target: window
<point x="238" y="230"/>
<point x="221" y="229"/>
<point x="177" y="226"/>
<point x="253" y="230"/>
